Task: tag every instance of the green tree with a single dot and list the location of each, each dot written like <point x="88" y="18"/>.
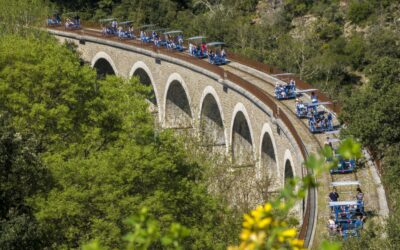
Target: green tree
<point x="356" y="50"/>
<point x="19" y="16"/>
<point x="98" y="141"/>
<point x="298" y="7"/>
<point x="372" y="112"/>
<point x="382" y="42"/>
<point x="95" y="194"/>
<point x="359" y="10"/>
<point x="48" y="93"/>
<point x="22" y="175"/>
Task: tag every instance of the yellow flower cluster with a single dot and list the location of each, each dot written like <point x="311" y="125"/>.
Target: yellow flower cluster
<point x="261" y="230"/>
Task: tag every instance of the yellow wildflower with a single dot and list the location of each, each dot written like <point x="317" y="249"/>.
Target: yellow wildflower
<point x="267" y="207"/>
<point x="297" y="242"/>
<point x="250" y="221"/>
<point x="247" y="224"/>
<point x="264" y="222"/>
<point x="245" y="234"/>
<point x="289" y="233"/>
<point x="250" y="246"/>
<point x="257" y="213"/>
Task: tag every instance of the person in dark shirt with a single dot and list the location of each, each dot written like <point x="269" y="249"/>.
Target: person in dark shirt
<point x="333" y="196"/>
<point x="359" y="195"/>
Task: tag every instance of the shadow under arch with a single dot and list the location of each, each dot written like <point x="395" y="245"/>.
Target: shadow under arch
<point x="242" y="143"/>
<point x="144" y="78"/>
<point x="268" y="157"/>
<point x="211" y="124"/>
<point x="288" y="171"/>
<point x="178" y="113"/>
<point x="103" y="68"/>
<point x="104" y="65"/>
<point x="142" y="72"/>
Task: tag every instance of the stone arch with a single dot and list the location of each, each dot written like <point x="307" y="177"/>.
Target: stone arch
<point x="211" y="119"/>
<point x="268" y="153"/>
<point x="288" y="167"/>
<point x="241" y="137"/>
<point x="141" y="70"/>
<point x="104" y="65"/>
<point x="177" y="104"/>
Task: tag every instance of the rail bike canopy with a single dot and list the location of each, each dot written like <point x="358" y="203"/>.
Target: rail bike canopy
<point x="160" y="29"/>
<point x="173" y="32"/>
<point x="107" y="20"/>
<point x="71" y="14"/>
<point x="345" y="183"/>
<point x="302" y="91"/>
<point x="343" y="203"/>
<point x="333" y="132"/>
<point x="311" y="104"/>
<point x="215" y="44"/>
<point x="346" y="187"/>
<point x="126" y="23"/>
<point x="194" y="38"/>
<point x="333" y="140"/>
<point x="339" y="157"/>
<point x="147" y="26"/>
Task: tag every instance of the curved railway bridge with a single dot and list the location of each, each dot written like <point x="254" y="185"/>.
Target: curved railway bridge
<point x="233" y="107"/>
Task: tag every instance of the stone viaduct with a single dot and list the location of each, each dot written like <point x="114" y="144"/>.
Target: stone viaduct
<point x="217" y="105"/>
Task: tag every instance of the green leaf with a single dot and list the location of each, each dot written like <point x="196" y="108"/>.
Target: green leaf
<point x="349" y="149"/>
<point x="329" y="245"/>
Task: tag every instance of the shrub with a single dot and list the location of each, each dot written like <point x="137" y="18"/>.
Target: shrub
<point x="359" y="11"/>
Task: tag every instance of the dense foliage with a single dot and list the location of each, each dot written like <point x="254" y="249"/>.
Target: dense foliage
<point x="98" y="145"/>
<point x="22" y="175"/>
<point x="19" y="15"/>
<point x="85" y="143"/>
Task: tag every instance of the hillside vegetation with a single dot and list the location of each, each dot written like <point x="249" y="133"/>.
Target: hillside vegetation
<point x="72" y="144"/>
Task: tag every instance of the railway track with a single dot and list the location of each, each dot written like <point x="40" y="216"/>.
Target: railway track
<point x="311" y="141"/>
<point x="318" y="139"/>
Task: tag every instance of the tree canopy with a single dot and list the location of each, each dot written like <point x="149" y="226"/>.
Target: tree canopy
<point x="97" y="142"/>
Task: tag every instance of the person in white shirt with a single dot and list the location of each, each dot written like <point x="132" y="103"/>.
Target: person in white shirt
<point x="114" y="24"/>
<point x="331" y="223"/>
<point x="190" y="48"/>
